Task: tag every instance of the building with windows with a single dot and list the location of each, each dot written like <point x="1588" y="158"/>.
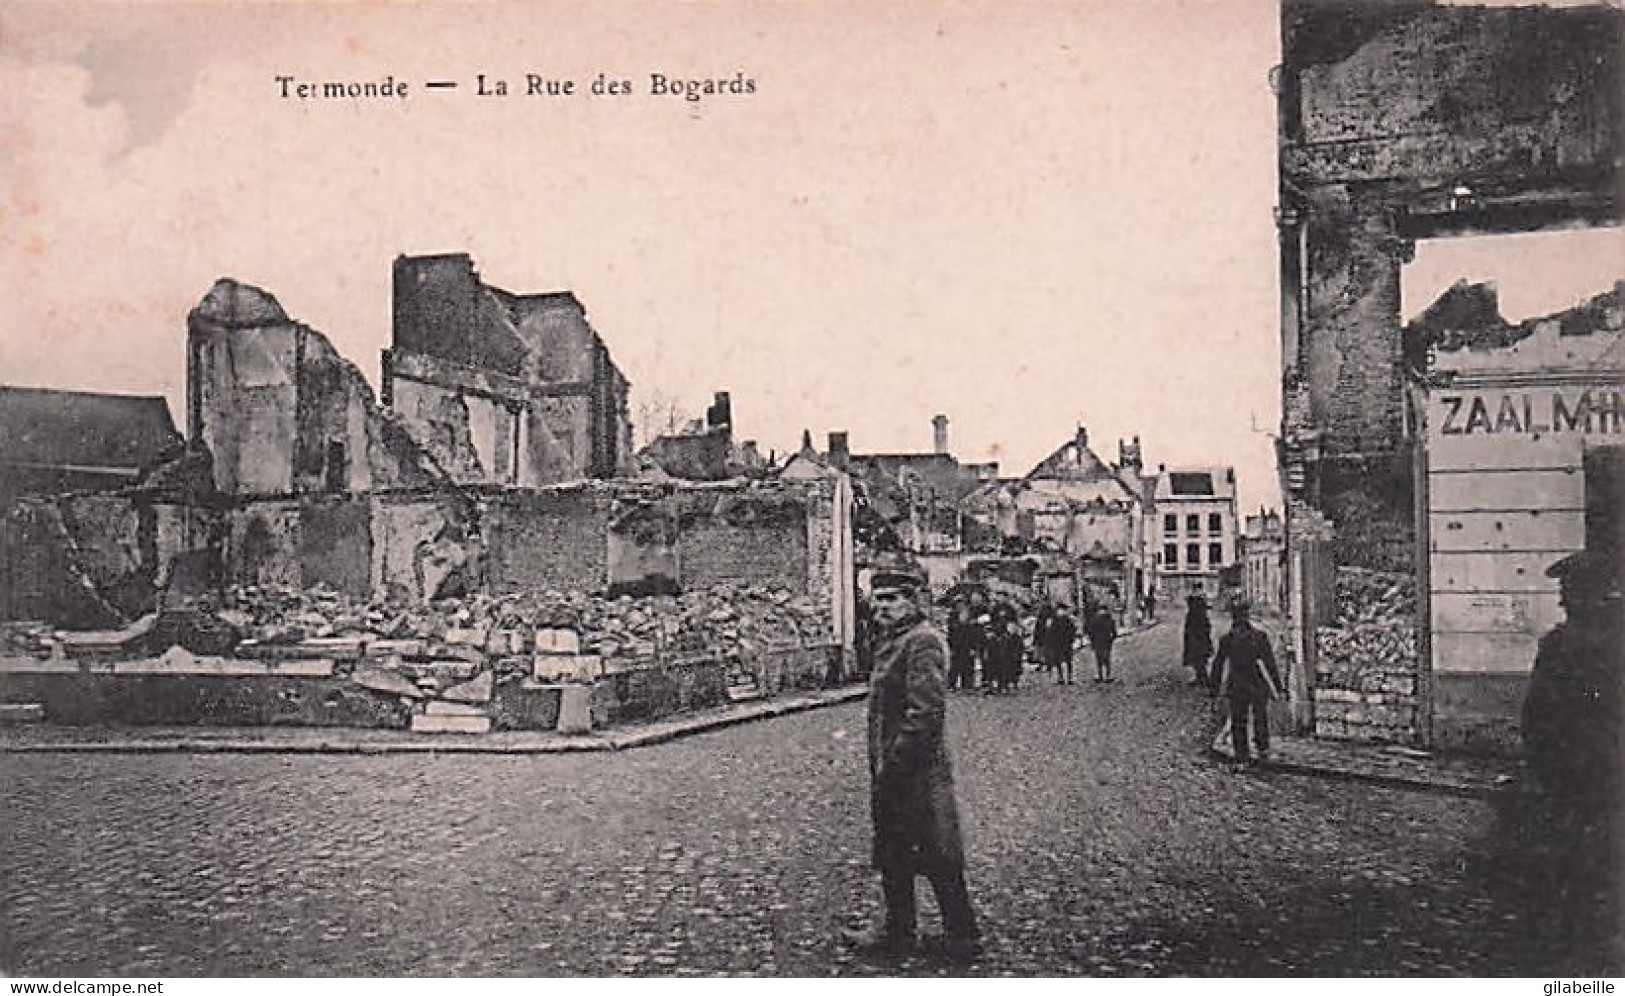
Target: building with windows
<point x="1192" y="528"/>
<point x="1262" y="551"/>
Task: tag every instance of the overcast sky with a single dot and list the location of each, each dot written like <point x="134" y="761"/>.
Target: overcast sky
<point x="1025" y="216"/>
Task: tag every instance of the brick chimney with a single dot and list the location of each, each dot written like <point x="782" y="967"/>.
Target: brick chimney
<point x="840" y="455"/>
<point x="1081" y="441"/>
<point x="720" y="413"/>
<point x="939" y="435"/>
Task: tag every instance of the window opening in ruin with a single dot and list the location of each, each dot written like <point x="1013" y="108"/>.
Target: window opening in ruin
<point x="1534" y="273"/>
<point x="336" y="470"/>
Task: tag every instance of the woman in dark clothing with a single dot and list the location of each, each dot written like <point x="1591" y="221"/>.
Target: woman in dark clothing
<point x="1198" y="637"/>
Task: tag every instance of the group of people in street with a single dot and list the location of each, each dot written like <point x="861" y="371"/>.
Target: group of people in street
<point x="988" y="648"/>
<point x="1572" y="729"/>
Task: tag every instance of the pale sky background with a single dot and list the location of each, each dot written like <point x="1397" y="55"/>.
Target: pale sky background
<point x="1023" y="215"/>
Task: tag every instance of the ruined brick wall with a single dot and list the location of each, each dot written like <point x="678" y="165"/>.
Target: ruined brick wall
<point x="547" y="539"/>
<point x="558" y="440"/>
<point x="1454" y="92"/>
<point x="464" y="433"/>
<point x="262" y="544"/>
<point x="824" y="555"/>
<point x="335" y="543"/>
<point x="745" y="540"/>
<point x="555" y="329"/>
<point x="441" y="309"/>
<point x="1401" y="121"/>
<point x="93" y="561"/>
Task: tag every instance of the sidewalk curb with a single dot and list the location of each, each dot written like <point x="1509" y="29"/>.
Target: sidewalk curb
<point x="466" y="744"/>
<point x="1352" y="771"/>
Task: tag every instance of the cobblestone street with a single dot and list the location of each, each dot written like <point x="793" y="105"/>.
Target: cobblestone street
<point x="1102" y="841"/>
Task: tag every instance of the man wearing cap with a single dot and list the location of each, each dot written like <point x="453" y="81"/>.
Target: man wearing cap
<point x="916" y="821"/>
<point x="1572" y="735"/>
<point x="1244" y="670"/>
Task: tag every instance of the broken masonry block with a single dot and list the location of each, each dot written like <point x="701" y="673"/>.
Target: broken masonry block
<point x="477" y="690"/>
<point x="426" y="723"/>
<point x="385" y="681"/>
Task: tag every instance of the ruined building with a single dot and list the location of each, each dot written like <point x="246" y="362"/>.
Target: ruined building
<point x="1396" y="122"/>
<point x="502" y="388"/>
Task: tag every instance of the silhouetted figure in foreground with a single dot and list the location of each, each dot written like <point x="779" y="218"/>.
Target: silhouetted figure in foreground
<point x="1572" y="740"/>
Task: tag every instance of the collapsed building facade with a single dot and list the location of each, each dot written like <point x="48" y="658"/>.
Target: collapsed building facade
<point x="1398" y="122"/>
<point x="493" y="483"/>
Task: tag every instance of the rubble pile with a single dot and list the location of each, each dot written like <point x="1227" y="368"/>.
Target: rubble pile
<point x="721" y="621"/>
<point x="25" y="639"/>
<point x="1367" y="663"/>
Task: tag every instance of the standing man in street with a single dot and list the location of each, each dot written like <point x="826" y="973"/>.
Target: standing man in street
<point x="961" y="665"/>
<point x="1059" y="637"/>
<point x="1102" y="631"/>
<point x="911" y="794"/>
<point x="1244" y="670"/>
<point x="1574" y="735"/>
<point x="1198" y="638"/>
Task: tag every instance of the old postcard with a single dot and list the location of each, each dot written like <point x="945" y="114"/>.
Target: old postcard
<point x="507" y="490"/>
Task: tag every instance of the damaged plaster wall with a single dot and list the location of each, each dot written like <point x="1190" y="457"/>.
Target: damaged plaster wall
<point x="282" y="412"/>
<point x="94" y="561"/>
<point x="424" y="547"/>
<point x="299" y="444"/>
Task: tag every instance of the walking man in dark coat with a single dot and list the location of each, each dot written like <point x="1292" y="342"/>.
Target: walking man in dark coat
<point x="916" y="820"/>
<point x="1244" y="670"/>
<point x="1102" y="630"/>
<point x="1059" y="637"/>
<point x="1041" y="623"/>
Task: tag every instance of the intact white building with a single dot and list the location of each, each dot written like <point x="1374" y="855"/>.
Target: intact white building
<point x="1192" y="529"/>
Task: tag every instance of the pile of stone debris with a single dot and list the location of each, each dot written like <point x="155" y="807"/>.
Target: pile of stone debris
<point x="1366" y="672"/>
<point x="277" y="621"/>
<point x="1375" y="625"/>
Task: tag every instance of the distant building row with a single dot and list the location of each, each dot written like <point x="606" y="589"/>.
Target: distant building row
<point x="1122" y="532"/>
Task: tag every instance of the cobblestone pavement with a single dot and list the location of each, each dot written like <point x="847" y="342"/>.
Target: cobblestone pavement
<point x="1102" y="839"/>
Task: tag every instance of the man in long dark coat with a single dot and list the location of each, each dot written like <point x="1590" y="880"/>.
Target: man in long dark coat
<point x="1059" y="636"/>
<point x="961" y="664"/>
<point x="1244" y="671"/>
<point x="1574" y="737"/>
<point x="1102" y="631"/>
<point x="916" y="820"/>
<point x="1198" y="638"/>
